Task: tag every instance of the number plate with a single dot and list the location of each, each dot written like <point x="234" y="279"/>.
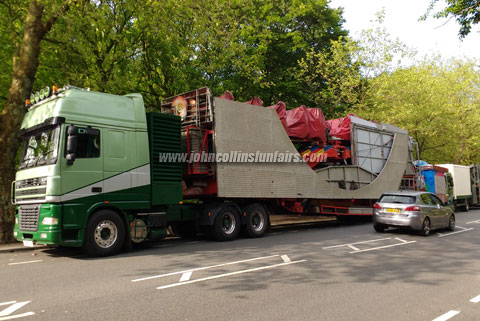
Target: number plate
<point x="28" y="243"/>
<point x="392" y="210"/>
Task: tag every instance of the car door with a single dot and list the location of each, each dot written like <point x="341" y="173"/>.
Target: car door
<point x="427" y="208"/>
<point x="441" y="211"/>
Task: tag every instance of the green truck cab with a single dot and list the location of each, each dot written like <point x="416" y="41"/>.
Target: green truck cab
<point x="86" y="177"/>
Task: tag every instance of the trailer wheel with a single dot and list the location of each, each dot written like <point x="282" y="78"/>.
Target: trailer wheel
<point x="257" y="220"/>
<point x="226" y="226"/>
<point x="104" y="234"/>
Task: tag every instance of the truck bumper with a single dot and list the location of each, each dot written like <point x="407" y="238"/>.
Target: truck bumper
<point x="37" y="227"/>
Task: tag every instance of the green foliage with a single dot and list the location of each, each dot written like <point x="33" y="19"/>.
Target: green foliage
<point x="161" y="48"/>
<point x="466" y="12"/>
<point x="438" y="103"/>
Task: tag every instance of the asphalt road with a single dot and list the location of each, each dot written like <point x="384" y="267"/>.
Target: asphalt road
<point x="325" y="271"/>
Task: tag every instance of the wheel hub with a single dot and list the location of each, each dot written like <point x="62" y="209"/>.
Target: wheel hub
<point x="106" y="234"/>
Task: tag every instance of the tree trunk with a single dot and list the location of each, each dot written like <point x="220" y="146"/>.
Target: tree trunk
<point x="25" y="64"/>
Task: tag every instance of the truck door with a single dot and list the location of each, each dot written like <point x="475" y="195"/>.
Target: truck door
<point x="82" y="181"/>
<point x="117" y="165"/>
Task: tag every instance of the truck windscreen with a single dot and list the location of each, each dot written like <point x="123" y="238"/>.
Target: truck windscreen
<point x="40" y="148"/>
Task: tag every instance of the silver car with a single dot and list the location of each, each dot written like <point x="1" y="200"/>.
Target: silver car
<point x="420" y="211"/>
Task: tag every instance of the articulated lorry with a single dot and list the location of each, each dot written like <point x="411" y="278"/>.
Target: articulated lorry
<point x="93" y="171"/>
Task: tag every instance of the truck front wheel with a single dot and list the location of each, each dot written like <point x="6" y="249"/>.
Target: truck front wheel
<point x="226" y="226"/>
<point x="105" y="234"/>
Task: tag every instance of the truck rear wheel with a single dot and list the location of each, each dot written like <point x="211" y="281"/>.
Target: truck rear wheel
<point x="257" y="221"/>
<point x="104" y="234"/>
<point x="226" y="226"/>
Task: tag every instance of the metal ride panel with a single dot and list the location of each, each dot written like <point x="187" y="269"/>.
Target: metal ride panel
<point x="250" y="129"/>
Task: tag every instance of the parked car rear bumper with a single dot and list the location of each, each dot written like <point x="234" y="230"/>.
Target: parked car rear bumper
<point x="411" y="221"/>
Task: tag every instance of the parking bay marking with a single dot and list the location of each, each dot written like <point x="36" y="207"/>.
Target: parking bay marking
<point x="5" y="314"/>
<point x="229" y="274"/>
<point x="475" y="299"/>
<point x="456" y="232"/>
<point x="474" y="222"/>
<point x="185" y="272"/>
<point x="358" y="250"/>
<point x="446" y="316"/>
<point x="26" y="262"/>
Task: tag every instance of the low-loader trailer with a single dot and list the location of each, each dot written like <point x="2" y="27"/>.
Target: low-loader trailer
<point x="93" y="171"/>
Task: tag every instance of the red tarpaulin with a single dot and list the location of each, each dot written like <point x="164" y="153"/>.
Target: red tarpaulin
<point x="306" y="123"/>
<point x="340" y="127"/>
<point x="255" y="101"/>
<point x="297" y="122"/>
<point x="316" y="125"/>
<point x="281" y="110"/>
<point x="227" y="95"/>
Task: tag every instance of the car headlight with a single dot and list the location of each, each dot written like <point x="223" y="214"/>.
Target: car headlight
<point x="50" y="221"/>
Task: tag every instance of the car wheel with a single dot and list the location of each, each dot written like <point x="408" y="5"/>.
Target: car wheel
<point x="426" y="227"/>
<point x="379" y="228"/>
<point x="105" y="234"/>
<point x="451" y="223"/>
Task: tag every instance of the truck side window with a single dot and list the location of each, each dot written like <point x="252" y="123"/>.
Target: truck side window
<point x="88" y="145"/>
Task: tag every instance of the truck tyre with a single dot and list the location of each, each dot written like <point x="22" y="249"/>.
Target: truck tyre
<point x="257" y="220"/>
<point x="104" y="234"/>
<point x="226" y="225"/>
<point x="426" y="227"/>
<point x="451" y="223"/>
<point x="466" y="208"/>
<point x="379" y="228"/>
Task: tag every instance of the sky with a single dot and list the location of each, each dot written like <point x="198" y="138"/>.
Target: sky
<point x="432" y="36"/>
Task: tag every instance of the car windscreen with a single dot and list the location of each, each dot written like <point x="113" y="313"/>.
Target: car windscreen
<point x="399" y="199"/>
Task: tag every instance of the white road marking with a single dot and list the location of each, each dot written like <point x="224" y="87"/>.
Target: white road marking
<point x="229" y="274"/>
<point x="475" y="299"/>
<point x="286" y="259"/>
<point x="204" y="268"/>
<point x="353" y="247"/>
<point x="383" y="247"/>
<point x="401" y="240"/>
<point x="9" y="302"/>
<point x="26" y="262"/>
<point x="186" y="276"/>
<point x="456" y="232"/>
<point x="5" y="313"/>
<point x="473" y="222"/>
<point x="363" y="242"/>
<point x="16" y="316"/>
<point x="448" y="315"/>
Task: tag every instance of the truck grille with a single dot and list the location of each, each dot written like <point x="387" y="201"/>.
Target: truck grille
<point x="31" y="182"/>
<point x="34" y="191"/>
<point x="28" y="217"/>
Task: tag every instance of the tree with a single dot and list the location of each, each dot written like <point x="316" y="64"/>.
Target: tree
<point x="466" y="12"/>
<point x="37" y="23"/>
<point x="439" y="105"/>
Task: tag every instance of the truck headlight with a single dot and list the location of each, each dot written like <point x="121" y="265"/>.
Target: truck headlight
<point x="50" y="221"/>
<point x="16" y="220"/>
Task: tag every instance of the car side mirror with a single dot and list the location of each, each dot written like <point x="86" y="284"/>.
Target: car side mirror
<point x="447" y="203"/>
<point x="72" y="139"/>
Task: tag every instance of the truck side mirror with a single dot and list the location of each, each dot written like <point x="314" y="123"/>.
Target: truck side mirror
<point x="72" y="139"/>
